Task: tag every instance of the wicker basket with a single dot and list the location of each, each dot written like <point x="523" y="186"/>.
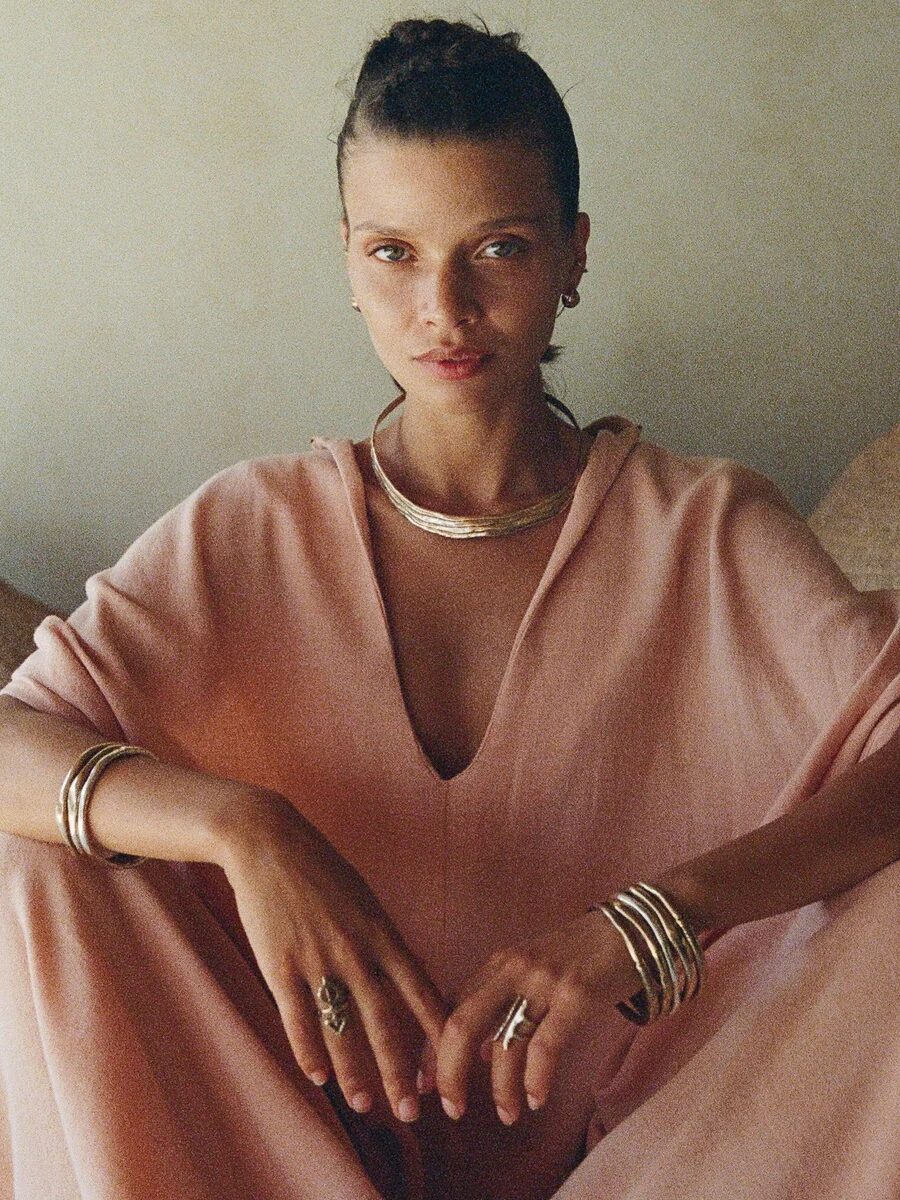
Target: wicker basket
<point x="19" y="615"/>
<point x="858" y="518"/>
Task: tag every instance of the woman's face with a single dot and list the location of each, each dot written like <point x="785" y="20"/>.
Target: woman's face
<point x="457" y="244"/>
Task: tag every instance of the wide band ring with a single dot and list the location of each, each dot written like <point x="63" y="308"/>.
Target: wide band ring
<point x="332" y="999"/>
<point x="515" y="1026"/>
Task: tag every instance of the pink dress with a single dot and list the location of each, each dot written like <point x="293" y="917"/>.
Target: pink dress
<point x="691" y="665"/>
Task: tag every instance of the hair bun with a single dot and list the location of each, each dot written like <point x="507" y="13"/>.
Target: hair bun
<point x="438" y="32"/>
<point x="418" y="32"/>
<point x="445" y="43"/>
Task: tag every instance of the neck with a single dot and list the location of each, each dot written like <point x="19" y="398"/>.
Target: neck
<point x="487" y="459"/>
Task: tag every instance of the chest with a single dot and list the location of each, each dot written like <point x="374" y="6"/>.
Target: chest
<point x="454" y="608"/>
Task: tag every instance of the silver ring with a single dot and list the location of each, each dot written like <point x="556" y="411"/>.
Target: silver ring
<point x="515" y="1025"/>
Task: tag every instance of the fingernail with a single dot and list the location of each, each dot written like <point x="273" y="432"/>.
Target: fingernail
<point x="505" y="1117"/>
<point x="451" y="1109"/>
<point x="319" y="1077"/>
<point x="408" y="1109"/>
<point x="533" y="1102"/>
<point x="361" y="1101"/>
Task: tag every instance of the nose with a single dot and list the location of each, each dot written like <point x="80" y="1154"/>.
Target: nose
<point x="448" y="297"/>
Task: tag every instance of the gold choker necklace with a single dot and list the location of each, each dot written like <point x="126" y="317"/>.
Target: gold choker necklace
<point x="470" y="527"/>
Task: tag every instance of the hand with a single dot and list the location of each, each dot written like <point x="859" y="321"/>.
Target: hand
<point x="307" y="913"/>
<point x="567" y="976"/>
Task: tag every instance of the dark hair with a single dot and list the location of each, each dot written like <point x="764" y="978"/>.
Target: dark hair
<point x="447" y="79"/>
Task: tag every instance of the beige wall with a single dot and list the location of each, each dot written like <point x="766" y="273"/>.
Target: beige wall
<point x="173" y="291"/>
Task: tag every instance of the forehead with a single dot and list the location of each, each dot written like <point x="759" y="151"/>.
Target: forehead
<point x="416" y="183"/>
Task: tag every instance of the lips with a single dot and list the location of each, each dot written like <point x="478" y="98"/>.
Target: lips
<point x="451" y="355"/>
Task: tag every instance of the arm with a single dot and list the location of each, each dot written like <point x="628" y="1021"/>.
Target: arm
<point x="832" y="840"/>
<point x="139" y="806"/>
<point x="300" y="903"/>
<point x="139" y="659"/>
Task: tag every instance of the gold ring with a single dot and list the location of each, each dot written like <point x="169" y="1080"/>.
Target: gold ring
<point x="515" y="1025"/>
<point x="332" y="998"/>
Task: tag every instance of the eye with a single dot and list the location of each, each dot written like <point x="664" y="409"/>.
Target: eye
<point x="517" y="245"/>
<point x="387" y="247"/>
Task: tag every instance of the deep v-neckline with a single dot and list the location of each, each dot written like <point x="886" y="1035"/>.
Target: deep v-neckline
<point x="614" y="438"/>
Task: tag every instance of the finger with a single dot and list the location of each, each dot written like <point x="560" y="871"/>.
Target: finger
<point x="570" y="1007"/>
<point x="424" y="1000"/>
<point x="300" y="1019"/>
<point x="387" y="1027"/>
<point x="508" y="1066"/>
<point x="464" y="1031"/>
<point x="414" y="988"/>
<point x="349" y="1052"/>
<point x="425" y="1079"/>
<point x="321" y="1053"/>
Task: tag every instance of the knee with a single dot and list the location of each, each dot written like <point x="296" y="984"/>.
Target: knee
<point x="869" y="900"/>
<point x="23" y="857"/>
<point x="36" y="875"/>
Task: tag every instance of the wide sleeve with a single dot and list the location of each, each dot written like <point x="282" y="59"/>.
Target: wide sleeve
<point x="143" y="653"/>
<point x="800" y="657"/>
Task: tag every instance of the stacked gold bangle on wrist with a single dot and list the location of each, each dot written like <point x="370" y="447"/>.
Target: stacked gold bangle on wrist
<point x="75" y="796"/>
<point x="663" y="947"/>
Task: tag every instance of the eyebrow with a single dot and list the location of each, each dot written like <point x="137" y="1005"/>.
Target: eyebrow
<point x="535" y="219"/>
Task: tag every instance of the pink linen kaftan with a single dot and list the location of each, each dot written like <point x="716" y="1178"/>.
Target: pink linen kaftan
<point x="690" y="666"/>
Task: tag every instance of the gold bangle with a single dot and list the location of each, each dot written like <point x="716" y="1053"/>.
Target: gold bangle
<point x="83" y="798"/>
<point x="643" y="1006"/>
<point x="80" y="792"/>
<point x="82" y="789"/>
<point x="676" y="935"/>
<point x="64" y="810"/>
<point x="665" y="983"/>
<point x="672" y="987"/>
<point x="663" y="929"/>
<point x="76" y="788"/>
<point x="684" y="925"/>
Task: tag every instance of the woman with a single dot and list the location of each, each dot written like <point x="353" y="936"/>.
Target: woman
<point x="394" y="751"/>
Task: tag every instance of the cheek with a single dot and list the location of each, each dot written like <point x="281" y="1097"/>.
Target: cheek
<point x="535" y="312"/>
<point x="528" y="299"/>
<point x="387" y="299"/>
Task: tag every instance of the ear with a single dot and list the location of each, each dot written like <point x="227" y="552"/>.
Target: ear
<point x="582" y="232"/>
<point x="578" y="247"/>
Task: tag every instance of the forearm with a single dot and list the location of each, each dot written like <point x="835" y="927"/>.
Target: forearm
<point x="841" y="835"/>
<point x="138" y="806"/>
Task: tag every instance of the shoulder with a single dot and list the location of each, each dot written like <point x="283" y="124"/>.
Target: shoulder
<point x="676" y="475"/>
<point x="251" y="489"/>
<point x="723" y="516"/>
<point x="243" y="511"/>
<point x="311" y="476"/>
<point x="703" y="489"/>
<point x="666" y="479"/>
